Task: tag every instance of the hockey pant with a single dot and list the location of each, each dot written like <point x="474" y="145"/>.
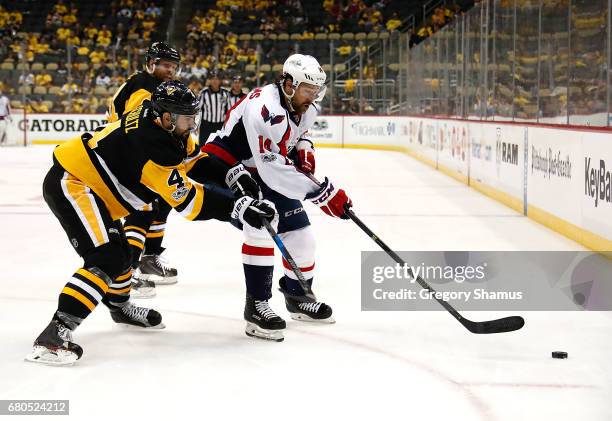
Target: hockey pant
<point x="106" y="273"/>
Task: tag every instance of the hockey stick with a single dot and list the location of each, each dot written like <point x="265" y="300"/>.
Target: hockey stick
<point x="506" y="324"/>
<point x="287" y="256"/>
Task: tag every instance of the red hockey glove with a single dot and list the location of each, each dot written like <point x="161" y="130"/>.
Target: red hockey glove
<point x="305" y="155"/>
<point x="330" y="200"/>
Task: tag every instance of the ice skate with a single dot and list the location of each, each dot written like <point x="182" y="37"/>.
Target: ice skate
<point x="131" y="315"/>
<point x="262" y="322"/>
<point x="157" y="269"/>
<point x="142" y="288"/>
<point x="306" y="308"/>
<point x="54" y="346"/>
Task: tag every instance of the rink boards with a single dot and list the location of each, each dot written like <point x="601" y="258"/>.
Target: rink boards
<point x="560" y="177"/>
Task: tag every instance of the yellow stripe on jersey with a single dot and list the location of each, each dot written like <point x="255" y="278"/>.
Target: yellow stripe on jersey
<point x="125" y="276"/>
<point x="120" y="291"/>
<point x="136" y="99"/>
<point x="79" y="193"/>
<point x="112" y="112"/>
<point x="73" y="157"/>
<point x="135" y="228"/>
<point x="136" y="243"/>
<point x="80" y="297"/>
<point x="192" y="143"/>
<point x="109" y="128"/>
<point x="155" y="234"/>
<point x="198" y="202"/>
<point x="93" y="278"/>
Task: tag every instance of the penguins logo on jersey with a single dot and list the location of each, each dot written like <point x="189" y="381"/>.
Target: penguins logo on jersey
<point x="170" y="90"/>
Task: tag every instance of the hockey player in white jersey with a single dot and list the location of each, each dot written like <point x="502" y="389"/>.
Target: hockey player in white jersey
<point x="267" y="131"/>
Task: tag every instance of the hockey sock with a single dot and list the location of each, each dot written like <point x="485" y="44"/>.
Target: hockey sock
<point x="81" y="295"/>
<point x="258" y="281"/>
<point x="119" y="290"/>
<point x="136" y="239"/>
<point x="292" y="286"/>
<point x="155" y="236"/>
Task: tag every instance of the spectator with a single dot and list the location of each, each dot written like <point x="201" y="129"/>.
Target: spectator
<point x="26" y="79"/>
<point x="103" y="80"/>
<point x="393" y="23"/>
<point x="43" y="79"/>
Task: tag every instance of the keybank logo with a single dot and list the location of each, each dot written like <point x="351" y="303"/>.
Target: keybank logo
<point x="597" y="181"/>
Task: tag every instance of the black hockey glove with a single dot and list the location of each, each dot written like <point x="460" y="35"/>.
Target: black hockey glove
<point x="250" y="211"/>
<point x="241" y="183"/>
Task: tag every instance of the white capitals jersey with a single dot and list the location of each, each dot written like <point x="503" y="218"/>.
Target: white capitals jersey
<point x="260" y="132"/>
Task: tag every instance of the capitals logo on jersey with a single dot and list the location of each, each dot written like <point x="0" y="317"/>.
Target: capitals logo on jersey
<point x="273" y="119"/>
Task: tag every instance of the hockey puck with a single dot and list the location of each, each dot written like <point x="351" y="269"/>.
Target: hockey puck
<point x="559" y="355"/>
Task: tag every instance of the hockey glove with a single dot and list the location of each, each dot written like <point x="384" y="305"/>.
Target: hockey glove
<point x="305" y="156"/>
<point x="330" y="200"/>
<point x="250" y="211"/>
<point x="241" y="183"/>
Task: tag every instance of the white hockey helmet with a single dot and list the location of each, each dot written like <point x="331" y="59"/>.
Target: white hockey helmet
<point x="305" y="69"/>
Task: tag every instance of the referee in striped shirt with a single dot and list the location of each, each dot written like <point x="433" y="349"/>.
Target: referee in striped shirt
<point x="235" y="93"/>
<point x="215" y="101"/>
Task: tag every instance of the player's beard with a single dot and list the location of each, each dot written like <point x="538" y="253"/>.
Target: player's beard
<point x="302" y="108"/>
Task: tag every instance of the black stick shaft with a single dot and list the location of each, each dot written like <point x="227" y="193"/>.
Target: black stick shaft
<point x="399" y="260"/>
<point x="506" y="324"/>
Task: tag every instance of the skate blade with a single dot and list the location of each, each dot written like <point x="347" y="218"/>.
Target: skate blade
<point x="61" y="357"/>
<point x="170" y="280"/>
<point x="143" y="296"/>
<point x="156" y="279"/>
<point x="156" y="327"/>
<point x="255" y="331"/>
<point x="304" y="318"/>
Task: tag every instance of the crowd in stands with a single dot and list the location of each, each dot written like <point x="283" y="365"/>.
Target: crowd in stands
<point x="106" y="42"/>
<point x="441" y="17"/>
<point x="102" y="53"/>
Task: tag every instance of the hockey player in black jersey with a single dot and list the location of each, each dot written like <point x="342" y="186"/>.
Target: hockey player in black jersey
<point x="145" y="229"/>
<point x="98" y="179"/>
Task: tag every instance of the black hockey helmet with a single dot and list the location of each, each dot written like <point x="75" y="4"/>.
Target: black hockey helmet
<point x="176" y="98"/>
<point x="162" y="51"/>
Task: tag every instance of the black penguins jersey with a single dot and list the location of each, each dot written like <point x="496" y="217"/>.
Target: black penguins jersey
<point x="129" y="162"/>
<point x="130" y="95"/>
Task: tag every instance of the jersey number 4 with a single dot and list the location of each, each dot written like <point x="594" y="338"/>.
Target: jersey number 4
<point x="175" y="179"/>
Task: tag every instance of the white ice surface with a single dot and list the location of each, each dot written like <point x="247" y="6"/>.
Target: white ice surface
<point x="370" y="366"/>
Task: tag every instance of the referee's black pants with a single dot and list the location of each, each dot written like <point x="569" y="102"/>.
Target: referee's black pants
<point x="206" y="128"/>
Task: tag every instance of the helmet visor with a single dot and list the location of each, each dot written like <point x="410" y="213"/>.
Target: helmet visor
<point x="188" y="122"/>
<point x="316" y="93"/>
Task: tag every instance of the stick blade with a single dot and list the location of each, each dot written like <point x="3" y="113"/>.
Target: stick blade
<point x="506" y="324"/>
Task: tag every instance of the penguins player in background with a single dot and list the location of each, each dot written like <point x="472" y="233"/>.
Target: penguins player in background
<point x="145" y="229"/>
